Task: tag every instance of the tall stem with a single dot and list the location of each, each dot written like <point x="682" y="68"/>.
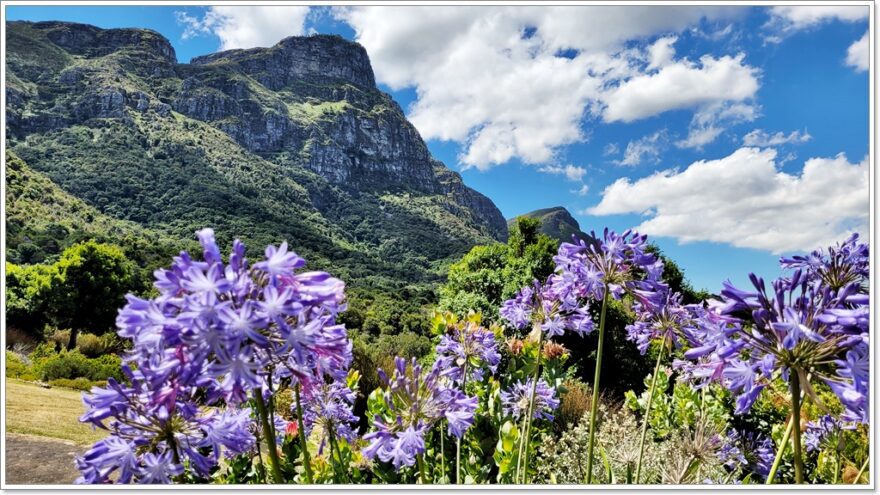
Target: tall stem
<point x="458" y="440"/>
<point x="838" y="448"/>
<point x="421" y="461"/>
<point x="862" y="470"/>
<point x="519" y="454"/>
<point x="337" y="453"/>
<point x="307" y="463"/>
<point x="796" y="425"/>
<point x="648" y="411"/>
<point x="525" y="441"/>
<point x="594" y="406"/>
<point x="270" y="442"/>
<point x="261" y="471"/>
<point x="779" y="453"/>
<point x="270" y="406"/>
<point x="442" y="453"/>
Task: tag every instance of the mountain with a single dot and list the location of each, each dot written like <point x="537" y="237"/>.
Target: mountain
<point x="42" y="219"/>
<point x="556" y="222"/>
<point x="293" y="142"/>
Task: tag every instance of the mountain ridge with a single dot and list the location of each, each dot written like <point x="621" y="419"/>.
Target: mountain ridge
<point x="556" y="222"/>
<point x="263" y="143"/>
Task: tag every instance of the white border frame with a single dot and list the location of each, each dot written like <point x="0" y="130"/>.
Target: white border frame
<point x="415" y="488"/>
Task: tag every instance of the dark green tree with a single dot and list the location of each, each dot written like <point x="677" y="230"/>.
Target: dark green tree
<point x="488" y="275"/>
<point x="88" y="286"/>
<point x="27" y="287"/>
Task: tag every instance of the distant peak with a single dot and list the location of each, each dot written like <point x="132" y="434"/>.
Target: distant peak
<point x="91" y="41"/>
<point x="315" y="57"/>
<point x="556" y="222"/>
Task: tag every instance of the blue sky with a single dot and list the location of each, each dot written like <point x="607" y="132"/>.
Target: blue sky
<point x="718" y="131"/>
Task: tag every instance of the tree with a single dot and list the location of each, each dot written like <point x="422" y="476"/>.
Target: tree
<point x="488" y="275"/>
<point x="26" y="294"/>
<point x="87" y="287"/>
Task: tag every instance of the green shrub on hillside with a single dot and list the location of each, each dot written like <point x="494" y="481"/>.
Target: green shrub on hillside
<point x="72" y="364"/>
<point x="81" y="383"/>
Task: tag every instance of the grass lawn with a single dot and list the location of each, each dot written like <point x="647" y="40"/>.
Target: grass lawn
<point x="47" y="412"/>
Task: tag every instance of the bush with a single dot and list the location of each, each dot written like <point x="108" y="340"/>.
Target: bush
<point x="43" y="351"/>
<point x="91" y="345"/>
<point x="285" y="403"/>
<point x="80" y="383"/>
<point x="60" y="338"/>
<point x="573" y="404"/>
<point x="15" y="367"/>
<point x="113" y="344"/>
<point x="72" y="364"/>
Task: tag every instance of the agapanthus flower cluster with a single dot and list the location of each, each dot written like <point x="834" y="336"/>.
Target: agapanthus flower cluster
<point x="217" y="332"/>
<point x="516" y="400"/>
<point x="537" y="305"/>
<point x="749" y="452"/>
<point x="660" y="316"/>
<point x="468" y="348"/>
<point x="415" y="401"/>
<point x="820" y="431"/>
<point x="813" y="322"/>
<point x="620" y="263"/>
<point x="328" y="407"/>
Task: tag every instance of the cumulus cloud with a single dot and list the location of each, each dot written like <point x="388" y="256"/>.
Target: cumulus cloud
<point x="610" y="149"/>
<point x="710" y="121"/>
<point x="858" y="54"/>
<point x="644" y="149"/>
<point x="571" y="172"/>
<point x="246" y="26"/>
<point x="582" y="191"/>
<point x="761" y="138"/>
<point x="661" y="52"/>
<point x="683" y="84"/>
<point x="745" y="200"/>
<point x="793" y="17"/>
<point x="514" y="82"/>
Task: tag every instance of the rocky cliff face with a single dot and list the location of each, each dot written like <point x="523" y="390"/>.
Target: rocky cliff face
<point x="319" y="60"/>
<point x="307" y="108"/>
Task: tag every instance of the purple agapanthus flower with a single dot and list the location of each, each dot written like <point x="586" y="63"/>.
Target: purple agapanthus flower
<point x="468" y="347"/>
<point x="813" y="322"/>
<point x="328" y="408"/>
<point x="415" y="401"/>
<point x="220" y="331"/>
<point x="747" y="451"/>
<point x="660" y="316"/>
<point x="619" y="263"/>
<point x="515" y="400"/>
<point x="819" y="431"/>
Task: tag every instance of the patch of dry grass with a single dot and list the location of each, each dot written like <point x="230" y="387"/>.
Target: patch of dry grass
<point x="52" y="412"/>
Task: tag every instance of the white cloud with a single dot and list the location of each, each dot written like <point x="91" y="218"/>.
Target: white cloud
<point x="582" y="191"/>
<point x="610" y="149"/>
<point x="661" y="52"/>
<point x="699" y="136"/>
<point x="644" y="149"/>
<point x="761" y="138"/>
<point x="746" y="201"/>
<point x="571" y="172"/>
<point x="502" y="95"/>
<point x="683" y="84"/>
<point x="793" y="17"/>
<point x="858" y="54"/>
<point x="712" y="119"/>
<point x="246" y="26"/>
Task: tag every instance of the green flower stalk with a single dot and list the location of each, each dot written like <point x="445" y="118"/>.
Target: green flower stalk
<point x="647" y="417"/>
<point x="307" y="463"/>
<point x="594" y="403"/>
